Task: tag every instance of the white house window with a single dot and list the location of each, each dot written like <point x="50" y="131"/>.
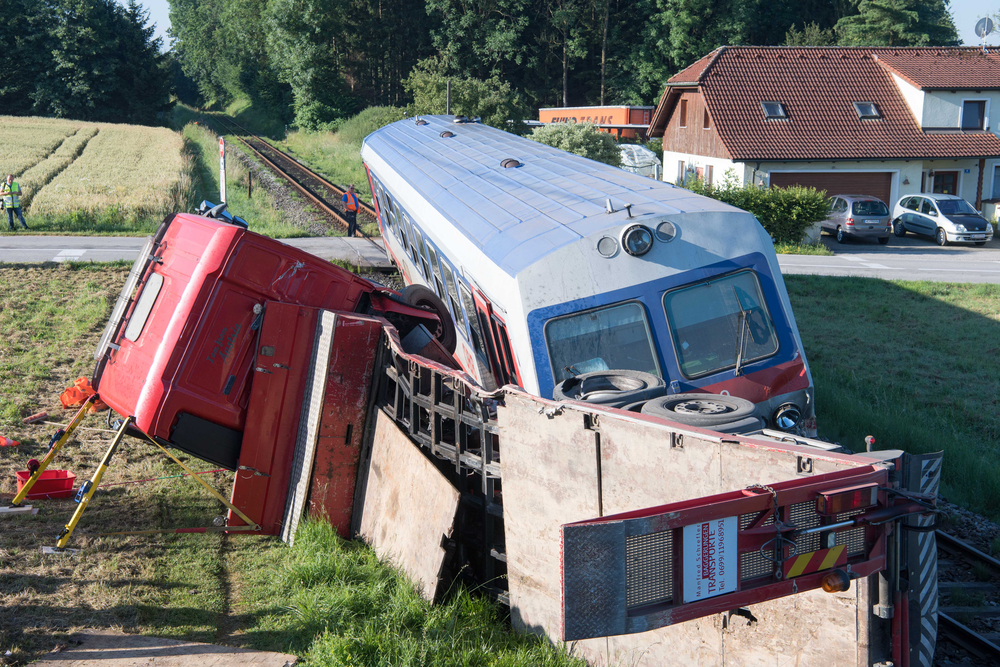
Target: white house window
<point x="773" y="110"/>
<point x="996" y="182"/>
<point x="974" y="115"/>
<point x="867" y="110"/>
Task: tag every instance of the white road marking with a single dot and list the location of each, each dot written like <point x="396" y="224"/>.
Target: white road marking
<point x="69" y="255"/>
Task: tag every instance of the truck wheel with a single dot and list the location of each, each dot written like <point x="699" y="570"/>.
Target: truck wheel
<point x="705" y="410"/>
<point x="424" y="297"/>
<point x="615" y="389"/>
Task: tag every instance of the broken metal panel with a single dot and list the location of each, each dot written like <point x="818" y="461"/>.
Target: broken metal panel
<point x="348" y="377"/>
<point x="409" y="507"/>
<point x="309" y="424"/>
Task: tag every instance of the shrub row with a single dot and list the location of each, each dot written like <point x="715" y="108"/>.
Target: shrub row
<point x="786" y="213"/>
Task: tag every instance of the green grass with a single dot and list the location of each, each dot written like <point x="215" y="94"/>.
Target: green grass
<point x="802" y="249"/>
<point x="913" y="364"/>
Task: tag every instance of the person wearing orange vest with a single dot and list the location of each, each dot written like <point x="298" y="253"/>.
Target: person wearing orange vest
<point x="11" y="193"/>
<point x="351" y="206"/>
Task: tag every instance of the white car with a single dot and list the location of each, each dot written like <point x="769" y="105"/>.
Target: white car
<point x="946" y="218"/>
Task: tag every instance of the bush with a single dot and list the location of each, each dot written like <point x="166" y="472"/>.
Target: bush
<point x="786" y="213"/>
<point x="355" y="129"/>
<point x="492" y="100"/>
<point x="580" y="138"/>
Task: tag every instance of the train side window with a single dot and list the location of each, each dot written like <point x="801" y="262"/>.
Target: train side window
<point x="415" y="250"/>
<point x="381" y="205"/>
<point x="475" y="333"/>
<point x="484" y="324"/>
<point x="394" y="210"/>
<point x="422" y="251"/>
<point x="449" y="281"/>
<point x="438" y="283"/>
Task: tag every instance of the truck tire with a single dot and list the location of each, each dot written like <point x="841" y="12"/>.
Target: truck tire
<point x="424" y="297"/>
<point x="614" y="389"/>
<point x="704" y="410"/>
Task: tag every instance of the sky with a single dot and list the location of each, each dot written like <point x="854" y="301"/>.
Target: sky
<point x="964" y="12"/>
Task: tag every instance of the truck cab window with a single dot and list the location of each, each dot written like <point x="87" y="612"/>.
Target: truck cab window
<point x="143" y="306"/>
<point x="706" y="319"/>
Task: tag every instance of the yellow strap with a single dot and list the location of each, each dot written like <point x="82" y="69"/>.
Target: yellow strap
<point x="247" y="520"/>
<point x="67" y="434"/>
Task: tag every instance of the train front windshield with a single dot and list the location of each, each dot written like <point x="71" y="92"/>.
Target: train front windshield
<point x="710" y="322"/>
<point x="615" y="337"/>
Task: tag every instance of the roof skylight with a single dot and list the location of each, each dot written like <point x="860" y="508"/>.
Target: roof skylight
<point x="867" y="110"/>
<point x="773" y="110"/>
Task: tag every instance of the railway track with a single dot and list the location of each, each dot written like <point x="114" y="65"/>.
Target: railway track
<point x="326" y="196"/>
<point x="968" y="588"/>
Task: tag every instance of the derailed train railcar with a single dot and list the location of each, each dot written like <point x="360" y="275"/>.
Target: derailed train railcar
<point x="575" y="279"/>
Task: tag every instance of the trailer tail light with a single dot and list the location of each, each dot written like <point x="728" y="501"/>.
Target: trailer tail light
<point x="838" y="501"/>
<point x="836" y="581"/>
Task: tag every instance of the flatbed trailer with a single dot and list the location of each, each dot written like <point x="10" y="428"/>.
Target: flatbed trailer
<point x="633" y="539"/>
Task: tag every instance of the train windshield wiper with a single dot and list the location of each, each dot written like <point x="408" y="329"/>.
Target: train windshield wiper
<point x="741" y="338"/>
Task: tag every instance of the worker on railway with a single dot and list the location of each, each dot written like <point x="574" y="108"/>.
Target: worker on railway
<point x="11" y="193"/>
<point x="351" y="207"/>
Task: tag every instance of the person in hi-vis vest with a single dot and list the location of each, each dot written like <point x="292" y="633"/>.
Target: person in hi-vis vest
<point x="11" y="193"/>
<point x="351" y="207"/>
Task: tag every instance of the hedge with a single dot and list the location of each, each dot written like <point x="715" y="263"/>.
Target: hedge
<point x="786" y="213"/>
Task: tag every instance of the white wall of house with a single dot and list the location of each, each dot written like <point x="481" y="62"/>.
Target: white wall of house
<point x="719" y="166"/>
<point x="914" y="97"/>
<point x="944" y="108"/>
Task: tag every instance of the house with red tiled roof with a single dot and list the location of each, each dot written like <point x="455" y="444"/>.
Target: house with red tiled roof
<point x="876" y="120"/>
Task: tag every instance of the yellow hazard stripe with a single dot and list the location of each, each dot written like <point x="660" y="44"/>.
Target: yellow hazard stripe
<point x="799" y="566"/>
<point x="832" y="556"/>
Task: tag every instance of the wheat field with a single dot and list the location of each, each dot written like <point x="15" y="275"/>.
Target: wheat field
<point x="71" y="167"/>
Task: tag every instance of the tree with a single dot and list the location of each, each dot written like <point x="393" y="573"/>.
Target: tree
<point x="493" y="100"/>
<point x="899" y="23"/>
<point x="582" y="139"/>
<point x="25" y="57"/>
<point x="810" y="35"/>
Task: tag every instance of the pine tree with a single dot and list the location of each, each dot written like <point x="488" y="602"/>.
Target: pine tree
<point x="899" y="23"/>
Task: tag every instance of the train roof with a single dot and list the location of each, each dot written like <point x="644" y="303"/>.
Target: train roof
<point x="516" y="216"/>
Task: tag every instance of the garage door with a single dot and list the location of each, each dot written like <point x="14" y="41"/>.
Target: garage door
<point x="873" y="183"/>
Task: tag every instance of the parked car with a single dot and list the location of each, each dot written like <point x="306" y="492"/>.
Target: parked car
<point x="947" y="218"/>
<point x="858" y="215"/>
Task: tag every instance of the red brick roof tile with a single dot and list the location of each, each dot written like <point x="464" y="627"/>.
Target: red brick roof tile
<point x="948" y="69"/>
<point x="817" y="86"/>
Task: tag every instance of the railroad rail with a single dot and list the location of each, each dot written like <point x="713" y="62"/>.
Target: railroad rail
<point x="949" y="625"/>
<point x="321" y="192"/>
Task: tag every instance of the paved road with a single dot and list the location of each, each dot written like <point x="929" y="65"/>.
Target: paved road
<point x="20" y="249"/>
<point x="910" y="258"/>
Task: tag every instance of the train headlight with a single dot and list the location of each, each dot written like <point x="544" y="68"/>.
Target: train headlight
<point x="787" y="417"/>
<point x="637" y="240"/>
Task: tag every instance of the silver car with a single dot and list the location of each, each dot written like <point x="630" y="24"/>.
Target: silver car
<point x="858" y="215"/>
<point x="947" y="218"/>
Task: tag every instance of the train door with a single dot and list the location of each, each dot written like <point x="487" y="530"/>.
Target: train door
<point x="497" y="342"/>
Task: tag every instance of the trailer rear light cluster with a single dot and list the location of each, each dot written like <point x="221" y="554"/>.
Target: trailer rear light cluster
<point x="838" y="501"/>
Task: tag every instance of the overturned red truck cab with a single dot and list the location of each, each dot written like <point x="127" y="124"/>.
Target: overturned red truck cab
<point x="630" y="537"/>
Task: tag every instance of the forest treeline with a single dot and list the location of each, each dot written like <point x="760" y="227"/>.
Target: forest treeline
<point x="316" y="62"/>
<point x="84" y="59"/>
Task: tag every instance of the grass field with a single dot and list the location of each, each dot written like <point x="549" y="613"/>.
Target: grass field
<point x="329" y="601"/>
<point x="90" y="178"/>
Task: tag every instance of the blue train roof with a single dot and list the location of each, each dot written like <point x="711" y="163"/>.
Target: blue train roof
<point x="516" y="216"/>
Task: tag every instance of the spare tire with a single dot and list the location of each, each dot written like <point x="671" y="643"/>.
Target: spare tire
<point x="615" y="389"/>
<point x="705" y="410"/>
<point x="742" y="426"/>
<point x="424" y="297"/>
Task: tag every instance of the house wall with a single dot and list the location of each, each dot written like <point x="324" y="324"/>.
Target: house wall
<point x="944" y="108"/>
<point x="693" y="139"/>
<point x="692" y="161"/>
<point x="913" y="96"/>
